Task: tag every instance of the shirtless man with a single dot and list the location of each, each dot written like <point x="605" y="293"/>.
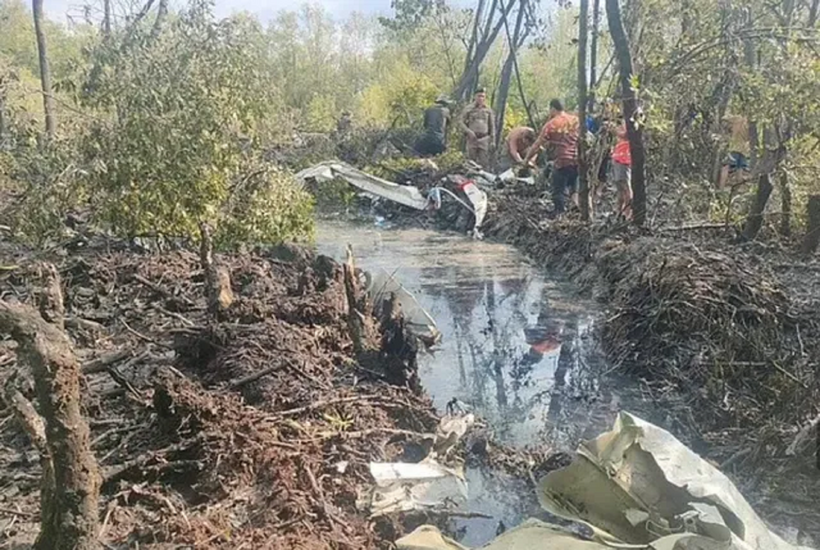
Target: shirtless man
<point x="519" y="141"/>
<point x="478" y="124"/>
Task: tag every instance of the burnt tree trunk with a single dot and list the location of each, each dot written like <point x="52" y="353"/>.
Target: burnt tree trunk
<point x="815" y="4"/>
<point x="812" y="238"/>
<point x="630" y="106"/>
<point x="583" y="164"/>
<point x="785" y="205"/>
<point x="69" y="514"/>
<point x="45" y="70"/>
<point x="754" y="221"/>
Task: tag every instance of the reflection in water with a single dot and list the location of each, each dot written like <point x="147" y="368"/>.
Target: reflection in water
<point x="514" y="343"/>
<point x="513" y="340"/>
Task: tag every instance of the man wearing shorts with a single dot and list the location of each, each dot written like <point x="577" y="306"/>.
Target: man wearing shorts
<point x="622" y="171"/>
<point x="560" y="135"/>
<point x="736" y="165"/>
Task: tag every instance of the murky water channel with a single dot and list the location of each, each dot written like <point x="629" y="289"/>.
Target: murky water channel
<point x="517" y="351"/>
<point x="516" y="348"/>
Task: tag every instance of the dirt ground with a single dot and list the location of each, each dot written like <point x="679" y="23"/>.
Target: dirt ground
<point x="253" y="431"/>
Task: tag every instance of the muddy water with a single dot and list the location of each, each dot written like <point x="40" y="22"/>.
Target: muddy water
<point x="516" y="349"/>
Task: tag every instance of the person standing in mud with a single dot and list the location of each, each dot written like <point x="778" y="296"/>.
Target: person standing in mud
<point x="436" y="122"/>
<point x="560" y="136"/>
<point x="478" y="124"/>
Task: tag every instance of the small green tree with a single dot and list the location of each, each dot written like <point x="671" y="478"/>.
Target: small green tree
<point x="183" y="111"/>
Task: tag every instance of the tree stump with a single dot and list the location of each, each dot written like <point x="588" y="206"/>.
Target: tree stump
<point x="217" y="279"/>
<point x="69" y="514"/>
<point x="812" y="238"/>
<point x="355" y="319"/>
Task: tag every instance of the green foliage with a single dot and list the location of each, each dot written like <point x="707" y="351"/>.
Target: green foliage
<point x="330" y="196"/>
<point x="47" y="185"/>
<point x="188" y="104"/>
<point x="269" y="207"/>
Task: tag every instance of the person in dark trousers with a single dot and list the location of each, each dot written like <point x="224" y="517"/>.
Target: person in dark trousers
<point x="560" y="135"/>
<point x="436" y="121"/>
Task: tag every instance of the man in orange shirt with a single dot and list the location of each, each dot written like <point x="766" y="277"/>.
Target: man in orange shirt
<point x="560" y="135"/>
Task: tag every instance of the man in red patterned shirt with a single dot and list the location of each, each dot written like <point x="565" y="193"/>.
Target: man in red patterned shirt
<point x="622" y="171"/>
<point x="560" y="135"/>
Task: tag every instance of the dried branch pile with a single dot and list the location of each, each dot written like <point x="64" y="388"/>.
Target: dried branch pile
<point x="724" y="337"/>
<point x="247" y="427"/>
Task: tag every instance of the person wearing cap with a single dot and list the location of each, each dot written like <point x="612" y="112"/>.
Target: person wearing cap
<point x="736" y="164"/>
<point x="478" y="124"/>
<point x="436" y="120"/>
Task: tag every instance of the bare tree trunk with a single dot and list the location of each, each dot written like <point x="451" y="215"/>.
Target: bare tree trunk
<point x="630" y="106"/>
<point x="469" y="79"/>
<point x="583" y="164"/>
<point x="69" y="515"/>
<point x="162" y="13"/>
<point x="45" y="71"/>
<point x="750" y="58"/>
<point x="526" y="105"/>
<point x="506" y="73"/>
<point x="2" y="111"/>
<point x="815" y="4"/>
<point x="812" y="238"/>
<point x="754" y="221"/>
<point x="479" y="13"/>
<point x="593" y="54"/>
<point x="785" y="205"/>
<point x="106" y="19"/>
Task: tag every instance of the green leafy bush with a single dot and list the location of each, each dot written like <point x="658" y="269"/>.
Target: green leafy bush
<point x="183" y="111"/>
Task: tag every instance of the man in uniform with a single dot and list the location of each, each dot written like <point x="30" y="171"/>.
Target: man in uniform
<point x="436" y="120"/>
<point x="478" y="124"/>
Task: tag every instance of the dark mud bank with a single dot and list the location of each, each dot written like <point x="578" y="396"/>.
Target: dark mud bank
<point x="717" y="334"/>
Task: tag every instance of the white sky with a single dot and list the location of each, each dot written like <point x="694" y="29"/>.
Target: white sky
<point x="264" y="9"/>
